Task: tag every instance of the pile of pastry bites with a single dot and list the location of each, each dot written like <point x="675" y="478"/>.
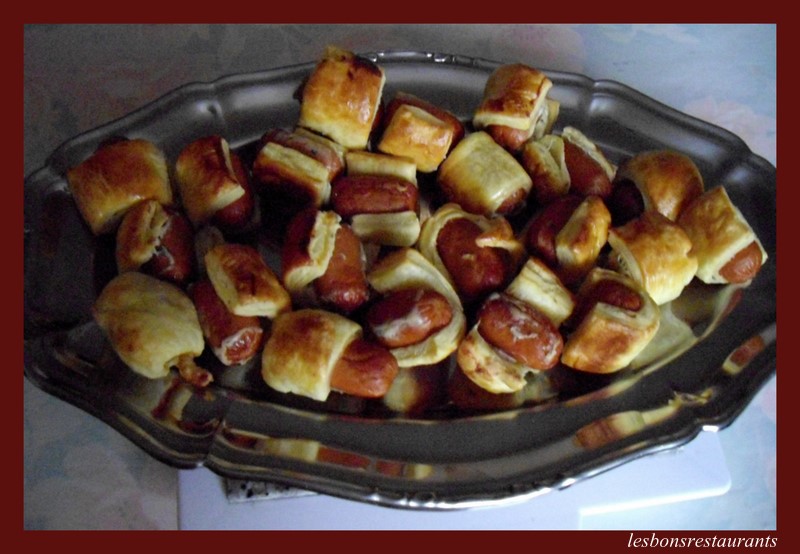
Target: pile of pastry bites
<point x="402" y="278"/>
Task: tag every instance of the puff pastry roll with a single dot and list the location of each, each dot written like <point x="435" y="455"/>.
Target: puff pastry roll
<point x="545" y="162"/>
<point x="211" y="179"/>
<point x="406" y="269"/>
<point x="514" y="107"/>
<point x="297" y="167"/>
<point x="725" y="245"/>
<point x="476" y="254"/>
<point x="483" y="177"/>
<point x="538" y="286"/>
<point x="341" y="98"/>
<point x="151" y="324"/>
<point x="416" y="129"/>
<point x="323" y="262"/>
<point x="116" y="177"/>
<point x="569" y="234"/>
<point x="614" y="320"/>
<point x="660" y="180"/>
<point x="656" y="253"/>
<point x="590" y="172"/>
<point x="244" y="281"/>
<point x="157" y="240"/>
<point x="312" y="352"/>
<point x="381" y="208"/>
<point x="467" y="395"/>
<point x="511" y="340"/>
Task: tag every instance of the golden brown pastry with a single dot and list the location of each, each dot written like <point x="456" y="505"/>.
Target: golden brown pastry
<point x="483" y="177"/>
<point x="157" y="240"/>
<point x="341" y="98"/>
<point x="476" y="254"/>
<point x="514" y="107"/>
<point x="723" y="242"/>
<point x="311" y="352"/>
<point x="538" y="286"/>
<point x="511" y="340"/>
<point x="116" y="177"/>
<point x="244" y="281"/>
<point x="590" y="172"/>
<point x="667" y="181"/>
<point x="569" y="234"/>
<point x="418" y="130"/>
<point x="545" y="162"/>
<point x="294" y="169"/>
<point x="406" y="268"/>
<point x="151" y="324"/>
<point x="323" y="262"/>
<point x="614" y="320"/>
<point x="207" y="178"/>
<point x="656" y="253"/>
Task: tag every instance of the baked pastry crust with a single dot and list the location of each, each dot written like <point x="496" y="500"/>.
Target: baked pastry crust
<point x="608" y="337"/>
<point x="580" y="241"/>
<point x="114" y="178"/>
<point x="362" y="162"/>
<point x="718" y="231"/>
<point x="301" y="267"/>
<point x="139" y="234"/>
<point x="667" y="180"/>
<point x="656" y="253"/>
<point x="483" y="177"/>
<point x="303" y="349"/>
<point x="244" y="282"/>
<point x="150" y="323"/>
<point x="497" y="233"/>
<point x="288" y="168"/>
<point x="207" y="179"/>
<point x="419" y="135"/>
<point x="341" y="97"/>
<point x="406" y="268"/>
<point x="544" y="161"/>
<point x="514" y="96"/>
<point x="538" y="286"/>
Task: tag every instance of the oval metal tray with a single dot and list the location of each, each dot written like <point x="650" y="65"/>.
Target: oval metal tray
<point x="717" y="344"/>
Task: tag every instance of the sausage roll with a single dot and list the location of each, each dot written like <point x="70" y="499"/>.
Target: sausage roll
<point x="476" y="254"/>
<point x="157" y="240"/>
<point x="483" y="177"/>
<point x="311" y="352"/>
<point x="614" y="320"/>
<point x="666" y="181"/>
<point x="296" y="167"/>
<point x="511" y="340"/>
<point x="538" y="286"/>
<point x="117" y="176"/>
<point x="323" y="262"/>
<point x="544" y="160"/>
<point x="418" y="130"/>
<point x="210" y="178"/>
<point x="590" y="172"/>
<point x="381" y="209"/>
<point x="244" y="281"/>
<point x="569" y="234"/>
<point x="725" y="245"/>
<point x="514" y="107"/>
<point x="151" y="324"/>
<point x="234" y="339"/>
<point x="656" y="253"/>
<point x="341" y="98"/>
<point x="406" y="269"/>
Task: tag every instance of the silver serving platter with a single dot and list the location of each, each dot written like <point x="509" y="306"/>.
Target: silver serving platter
<point x="716" y="349"/>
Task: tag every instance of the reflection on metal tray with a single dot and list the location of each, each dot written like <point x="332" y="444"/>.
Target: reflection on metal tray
<point x="716" y="347"/>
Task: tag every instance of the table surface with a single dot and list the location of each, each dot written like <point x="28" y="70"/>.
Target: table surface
<point x="81" y="474"/>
